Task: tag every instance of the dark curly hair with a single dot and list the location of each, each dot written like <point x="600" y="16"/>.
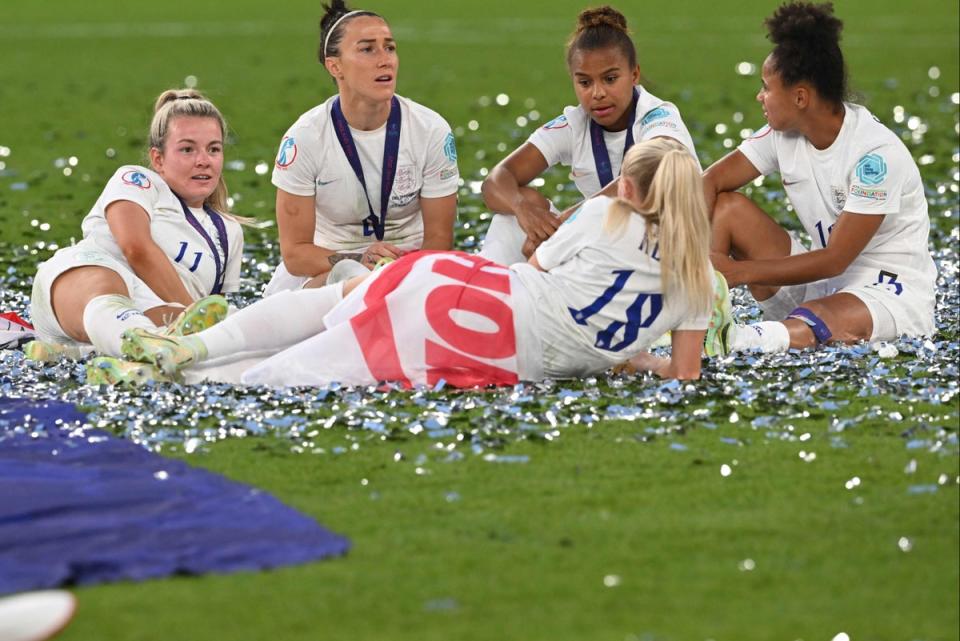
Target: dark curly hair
<point x="806" y="38"/>
<point x="601" y="28"/>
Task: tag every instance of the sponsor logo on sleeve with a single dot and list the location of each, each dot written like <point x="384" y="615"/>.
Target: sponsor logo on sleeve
<point x="869" y="192"/>
<point x="450" y="148"/>
<point x="447" y="174"/>
<point x="655" y="114"/>
<point x="872" y="169"/>
<point x="557" y="123"/>
<point x="136" y="179"/>
<point x="287" y="153"/>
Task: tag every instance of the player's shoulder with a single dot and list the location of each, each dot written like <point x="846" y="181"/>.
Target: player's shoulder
<point x="595" y="207"/>
<point x="422" y="116"/>
<point x="137" y="176"/>
<point x="572" y="119"/>
<point x="313" y="120"/>
<point x="651" y="109"/>
<point x="870" y="135"/>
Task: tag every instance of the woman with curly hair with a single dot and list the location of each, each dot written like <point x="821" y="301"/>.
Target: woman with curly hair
<point x="855" y="188"/>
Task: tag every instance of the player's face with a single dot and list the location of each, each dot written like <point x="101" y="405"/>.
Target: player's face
<point x="604" y="81"/>
<point x="779" y="107"/>
<point x="368" y="62"/>
<point x="191" y="160"/>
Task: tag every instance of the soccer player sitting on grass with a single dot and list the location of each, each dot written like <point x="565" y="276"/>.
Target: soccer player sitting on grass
<point x="856" y="190"/>
<point x="366" y="176"/>
<point x="616" y="275"/>
<point x="591" y="138"/>
<point x="157" y="241"/>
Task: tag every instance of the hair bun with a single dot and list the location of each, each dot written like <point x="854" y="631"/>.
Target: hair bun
<point x="805" y="23"/>
<point x="171" y="95"/>
<point x="605" y="16"/>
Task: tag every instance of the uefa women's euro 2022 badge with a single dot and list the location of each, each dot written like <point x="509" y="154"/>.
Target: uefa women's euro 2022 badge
<point x="287" y="153"/>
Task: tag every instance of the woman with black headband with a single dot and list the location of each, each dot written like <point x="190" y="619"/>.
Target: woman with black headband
<point x="368" y="175"/>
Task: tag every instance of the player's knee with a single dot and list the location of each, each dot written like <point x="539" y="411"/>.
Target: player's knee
<point x="728" y="204"/>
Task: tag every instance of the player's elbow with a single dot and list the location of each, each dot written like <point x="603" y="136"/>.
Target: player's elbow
<point x="137" y="252"/>
<point x="296" y="261"/>
<point x="488" y="188"/>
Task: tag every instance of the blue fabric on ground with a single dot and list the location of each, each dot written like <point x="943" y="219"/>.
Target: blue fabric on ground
<point x="90" y="508"/>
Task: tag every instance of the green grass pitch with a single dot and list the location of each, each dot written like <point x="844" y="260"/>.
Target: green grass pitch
<point x="618" y="531"/>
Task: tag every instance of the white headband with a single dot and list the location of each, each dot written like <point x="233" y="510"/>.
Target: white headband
<point x="326" y="40"/>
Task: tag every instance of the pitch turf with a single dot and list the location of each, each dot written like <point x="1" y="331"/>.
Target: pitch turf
<point x="840" y="510"/>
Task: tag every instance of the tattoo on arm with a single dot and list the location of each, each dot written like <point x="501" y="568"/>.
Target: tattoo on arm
<point x="336" y="258"/>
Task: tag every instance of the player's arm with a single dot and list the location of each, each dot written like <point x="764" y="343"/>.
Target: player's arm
<point x="502" y="193"/>
<point x="730" y="173"/>
<point x="130" y="225"/>
<point x="296" y="223"/>
<point x="849" y="237"/>
<point x="684" y="359"/>
<point x="439" y="216"/>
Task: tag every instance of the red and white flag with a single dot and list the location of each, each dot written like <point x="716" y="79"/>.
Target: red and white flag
<point x="425" y="318"/>
<point x="14" y="331"/>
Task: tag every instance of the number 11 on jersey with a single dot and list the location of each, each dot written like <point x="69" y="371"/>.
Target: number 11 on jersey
<point x="183" y="251"/>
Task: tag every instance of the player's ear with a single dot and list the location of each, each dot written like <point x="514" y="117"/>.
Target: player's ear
<point x="156" y="159"/>
<point x="801" y="96"/>
<point x="635" y="74"/>
<point x="332" y="63"/>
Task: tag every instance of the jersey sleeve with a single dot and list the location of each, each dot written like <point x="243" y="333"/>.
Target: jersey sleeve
<point x="573" y="235"/>
<point x="231" y="281"/>
<point x="663" y="121"/>
<point x="441" y="176"/>
<point x="296" y="167"/>
<point x="134" y="184"/>
<point x="877" y="181"/>
<point x="555" y="141"/>
<point x="761" y="150"/>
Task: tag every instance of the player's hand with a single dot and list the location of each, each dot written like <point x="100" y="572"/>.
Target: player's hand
<point x="379" y="250"/>
<point x="731" y="269"/>
<point x="529" y="246"/>
<point x="536" y="222"/>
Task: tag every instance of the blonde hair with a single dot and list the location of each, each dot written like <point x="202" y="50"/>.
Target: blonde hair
<point x="174" y="103"/>
<point x="671" y="202"/>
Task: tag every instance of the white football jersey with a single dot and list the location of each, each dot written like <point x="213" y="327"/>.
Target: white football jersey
<point x="867" y="170"/>
<point x="600" y="302"/>
<point x="565" y="140"/>
<point x="311" y="162"/>
<point x="188" y="251"/>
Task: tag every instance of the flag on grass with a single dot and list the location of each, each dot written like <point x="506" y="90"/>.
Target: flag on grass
<point x="84" y="507"/>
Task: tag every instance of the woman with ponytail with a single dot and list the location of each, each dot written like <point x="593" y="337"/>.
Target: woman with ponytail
<point x="157" y="240"/>
<point x="368" y="175"/>
<point x="615" y="276"/>
<point x="614" y="111"/>
<point x="856" y="190"/>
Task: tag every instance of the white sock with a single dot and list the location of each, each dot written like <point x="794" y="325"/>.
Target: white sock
<point x="105" y="318"/>
<point x="274" y="323"/>
<point x="768" y="336"/>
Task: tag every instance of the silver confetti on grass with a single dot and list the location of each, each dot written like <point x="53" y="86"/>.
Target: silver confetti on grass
<point x="768" y="394"/>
